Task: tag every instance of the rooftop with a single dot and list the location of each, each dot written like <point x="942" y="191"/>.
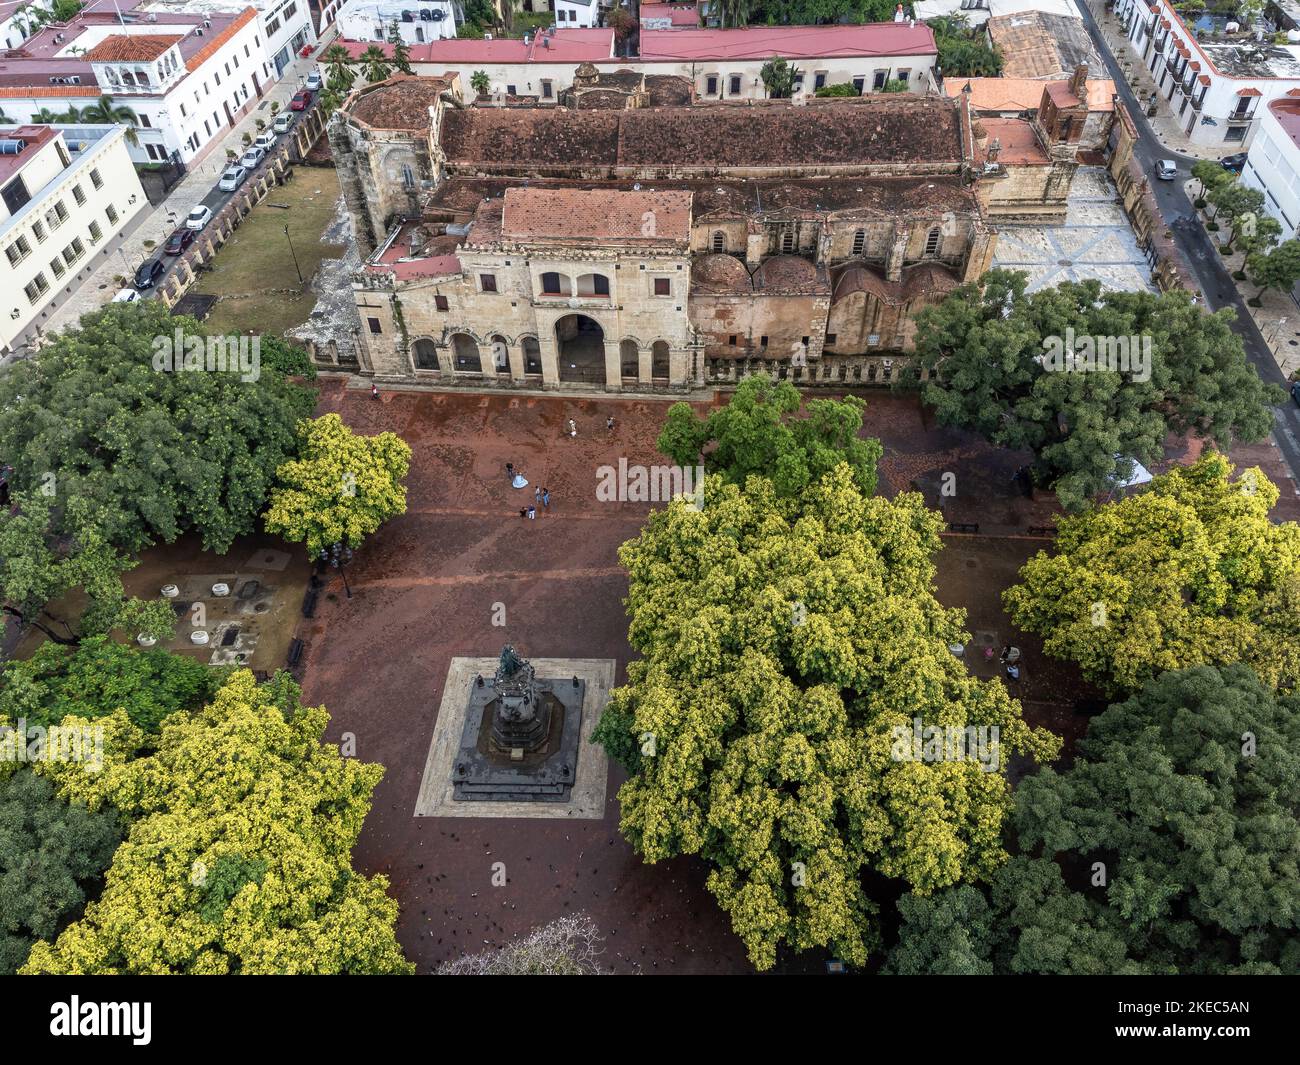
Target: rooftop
<point x="561" y="46"/>
<point x="1024" y="94"/>
<point x="1016" y="140"/>
<point x="896" y="128"/>
<point x="1035" y="44"/>
<point x="565" y="215"/>
<point x="1287" y="113"/>
<point x="401" y="102"/>
<point x="792" y="42"/>
<point x="128" y="48"/>
<point x="33" y="138"/>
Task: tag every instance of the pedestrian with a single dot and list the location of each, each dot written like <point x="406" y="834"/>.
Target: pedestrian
<point x="546" y="498"/>
<point x="532" y="512"/>
<point x="537" y="495"/>
<point x="374" y="390"/>
<point x="573" y="429"/>
<point x="510" y="470"/>
<point x="1013" y="671"/>
<point x="609" y="423"/>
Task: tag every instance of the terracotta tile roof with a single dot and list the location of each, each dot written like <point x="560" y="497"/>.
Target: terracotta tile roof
<point x="31" y="92"/>
<point x="720" y="274"/>
<point x="401" y="102"/>
<point x="791" y="275"/>
<point x="1024" y="94"/>
<point x="596" y="214"/>
<point x="198" y="58"/>
<point x="1252" y="91"/>
<point x="132" y="48"/>
<point x="931" y="279"/>
<point x="1016" y="139"/>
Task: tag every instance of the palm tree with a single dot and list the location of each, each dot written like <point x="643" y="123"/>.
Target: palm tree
<point x="734" y="14"/>
<point x="374" y="64"/>
<point x="104" y="112"/>
<point x="341" y="75"/>
<point x="45" y="117"/>
<point x="479" y="82"/>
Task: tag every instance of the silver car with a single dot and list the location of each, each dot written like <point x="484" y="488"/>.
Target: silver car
<point x="1166" y="170"/>
<point x="252" y="157"/>
<point x="232" y="178"/>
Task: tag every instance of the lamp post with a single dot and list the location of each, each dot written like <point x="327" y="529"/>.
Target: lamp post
<point x="297" y="269"/>
<point x="338" y="556"/>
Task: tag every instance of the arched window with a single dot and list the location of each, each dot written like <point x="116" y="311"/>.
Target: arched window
<point x="532" y="355"/>
<point x="593" y="285"/>
<point x="859" y="241"/>
<point x="719" y="240"/>
<point x="629" y="358"/>
<point x="554" y="284"/>
<point x="659" y="364"/>
<point x="932" y="240"/>
<point x="465" y="354"/>
<point x="426" y="355"/>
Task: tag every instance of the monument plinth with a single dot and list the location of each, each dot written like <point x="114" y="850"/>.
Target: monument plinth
<point x="521" y="736"/>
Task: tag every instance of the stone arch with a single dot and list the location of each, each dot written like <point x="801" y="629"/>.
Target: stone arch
<point x="532" y="350"/>
<point x="629" y="357"/>
<point x="555" y="283"/>
<point x="465" y="354"/>
<point x="660" y="359"/>
<point x="592" y="285"/>
<point x="424" y="353"/>
<point x="580" y="342"/>
<point x="499" y="347"/>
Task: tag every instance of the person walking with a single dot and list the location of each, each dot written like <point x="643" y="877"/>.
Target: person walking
<point x="546" y="498"/>
<point x="609" y="423"/>
<point x="523" y="512"/>
<point x="573" y="429"/>
<point x="374" y="390"/>
<point x="537" y="495"/>
<point x="532" y="512"/>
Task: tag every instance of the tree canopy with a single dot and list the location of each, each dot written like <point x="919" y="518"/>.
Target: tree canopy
<point x="152" y="454"/>
<point x="1143" y="365"/>
<point x="1178" y="828"/>
<point x="239" y="856"/>
<point x="340" y="488"/>
<point x="787" y="643"/>
<point x="1189" y="571"/>
<point x="760" y="431"/>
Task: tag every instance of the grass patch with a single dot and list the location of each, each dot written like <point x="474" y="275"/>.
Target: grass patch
<point x="253" y="275"/>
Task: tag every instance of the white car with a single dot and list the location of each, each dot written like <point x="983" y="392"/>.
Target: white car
<point x="232" y="178"/>
<point x="314" y="81"/>
<point x="252" y="157"/>
<point x="198" y="218"/>
<point x="126" y="295"/>
<point x="283" y="122"/>
<point x="265" y="140"/>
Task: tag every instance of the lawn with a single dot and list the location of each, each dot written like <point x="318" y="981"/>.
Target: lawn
<point x="254" y="276"/>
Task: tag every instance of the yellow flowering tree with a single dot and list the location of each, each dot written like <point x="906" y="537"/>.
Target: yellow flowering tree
<point x="1189" y="572"/>
<point x="239" y="854"/>
<point x="340" y="488"/>
<point x="792" y="649"/>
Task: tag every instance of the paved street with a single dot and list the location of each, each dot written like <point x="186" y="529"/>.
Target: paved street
<point x="1216" y="283"/>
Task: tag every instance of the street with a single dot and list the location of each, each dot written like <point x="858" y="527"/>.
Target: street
<point x="1215" y="282"/>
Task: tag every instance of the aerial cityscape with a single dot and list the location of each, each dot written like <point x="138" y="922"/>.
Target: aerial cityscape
<point x="650" y="487"/>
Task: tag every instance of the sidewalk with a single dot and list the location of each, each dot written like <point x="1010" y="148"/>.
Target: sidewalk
<point x="1166" y="125"/>
<point x="130" y="250"/>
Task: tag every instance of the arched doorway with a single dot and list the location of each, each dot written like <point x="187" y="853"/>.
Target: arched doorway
<point x="532" y="355"/>
<point x="464" y="354"/>
<point x="426" y="355"/>
<point x="581" y="344"/>
<point x="629" y="357"/>
<point x="500" y="355"/>
<point x="659" y="364"/>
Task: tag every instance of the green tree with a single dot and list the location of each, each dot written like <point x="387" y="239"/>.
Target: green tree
<point x="340" y="76"/>
<point x="1179" y="816"/>
<point x="52" y="855"/>
<point x="998" y="362"/>
<point x="374" y="64"/>
<point x="778" y="78"/>
<point x="842" y="88"/>
<point x="1276" y="269"/>
<point x="733" y="14"/>
<point x="1211" y="175"/>
<point x="242" y="870"/>
<point x="39" y="565"/>
<point x="763" y="431"/>
<point x="401" y="51"/>
<point x="99" y="677"/>
<point x="341" y="488"/>
<point x="107" y="112"/>
<point x="149" y="453"/>
<point x="789" y="647"/>
<point x="1189" y="571"/>
<point x="480" y="83"/>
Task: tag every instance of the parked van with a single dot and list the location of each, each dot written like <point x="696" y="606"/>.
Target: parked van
<point x="265" y="140"/>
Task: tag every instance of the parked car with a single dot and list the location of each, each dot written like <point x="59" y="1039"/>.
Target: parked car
<point x="232" y="178"/>
<point x="265" y="140"/>
<point x="148" y="273"/>
<point x="1295" y="392"/>
<point x="1235" y="163"/>
<point x="1166" y="170"/>
<point x="314" y="81"/>
<point x="283" y="123"/>
<point x="178" y="241"/>
<point x="198" y="218"/>
<point x="126" y="295"/>
<point x="300" y="100"/>
<point x="252" y="157"/>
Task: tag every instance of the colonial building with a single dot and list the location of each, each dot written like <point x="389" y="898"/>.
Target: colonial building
<point x="672" y="247"/>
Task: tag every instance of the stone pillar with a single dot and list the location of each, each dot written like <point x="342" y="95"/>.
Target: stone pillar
<point x="516" y="355"/>
<point x="679" y="366"/>
<point x="644" y="365"/>
<point x="897" y="253"/>
<point x="550" y="359"/>
<point x="446" y="364"/>
<point x="613" y="365"/>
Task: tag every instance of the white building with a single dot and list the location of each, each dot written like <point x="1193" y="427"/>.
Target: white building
<point x="1216" y="83"/>
<point x="188" y="71"/>
<point x="418" y="21"/>
<point x="1273" y="165"/>
<point x="59" y="210"/>
<point x="579" y="14"/>
<point x="723" y="64"/>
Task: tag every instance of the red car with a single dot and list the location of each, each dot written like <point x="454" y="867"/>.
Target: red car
<point x="300" y="100"/>
<point x="179" y="241"/>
